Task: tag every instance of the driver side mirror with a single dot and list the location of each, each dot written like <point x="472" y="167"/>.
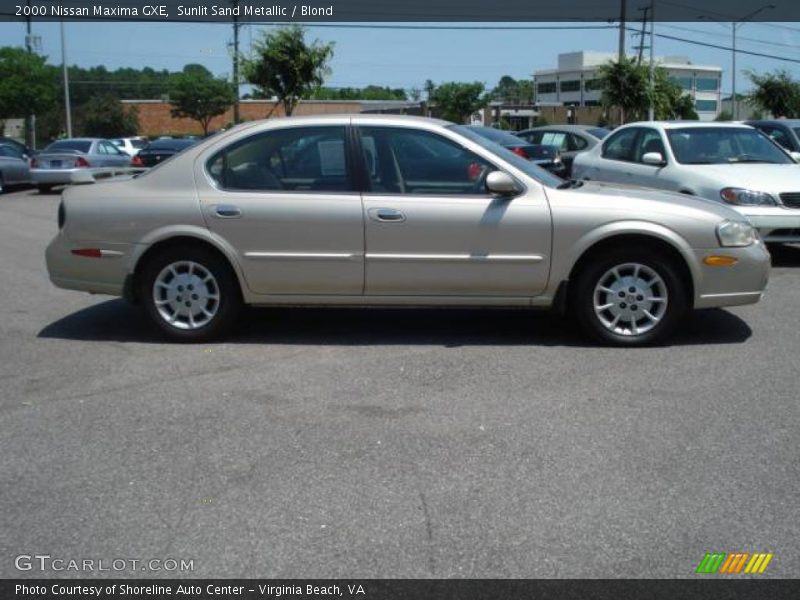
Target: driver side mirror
<point x="653" y="158"/>
<point x="501" y="183"/>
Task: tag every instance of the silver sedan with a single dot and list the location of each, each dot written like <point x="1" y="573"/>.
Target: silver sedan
<point x="58" y="162"/>
<point x="346" y="210"/>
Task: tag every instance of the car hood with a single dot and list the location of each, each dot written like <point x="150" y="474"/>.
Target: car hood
<point x="754" y="176"/>
<point x="658" y="200"/>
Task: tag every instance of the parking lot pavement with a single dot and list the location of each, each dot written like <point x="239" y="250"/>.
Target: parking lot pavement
<point x="390" y="443"/>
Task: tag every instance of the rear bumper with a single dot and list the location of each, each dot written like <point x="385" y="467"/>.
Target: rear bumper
<point x="103" y="275"/>
<point x="734" y="285"/>
<point x="52" y="176"/>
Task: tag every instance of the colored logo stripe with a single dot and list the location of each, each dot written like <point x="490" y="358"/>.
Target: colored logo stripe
<point x="734" y="562"/>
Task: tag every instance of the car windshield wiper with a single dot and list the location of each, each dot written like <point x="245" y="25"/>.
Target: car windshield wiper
<point x="569" y="183"/>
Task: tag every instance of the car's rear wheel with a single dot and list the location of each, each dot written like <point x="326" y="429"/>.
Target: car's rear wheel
<point x="630" y="298"/>
<point x="191" y="294"/>
<point x="44" y="188"/>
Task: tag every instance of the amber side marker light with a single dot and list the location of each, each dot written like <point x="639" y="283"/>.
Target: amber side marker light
<point x="720" y="261"/>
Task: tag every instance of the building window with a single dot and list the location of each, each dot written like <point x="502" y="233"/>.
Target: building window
<point x="546" y="87"/>
<point x="707" y="84"/>
<point x="684" y="82"/>
<point x="591" y="85"/>
<point x="591" y="103"/>
<point x="705" y="105"/>
<point x="571" y="86"/>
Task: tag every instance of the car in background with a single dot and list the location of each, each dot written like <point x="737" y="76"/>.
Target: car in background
<point x="730" y="163"/>
<point x="785" y="132"/>
<point x="160" y="150"/>
<point x="14" y="166"/>
<point x="569" y="139"/>
<point x="18" y="145"/>
<point x="130" y="145"/>
<point x="56" y="164"/>
<point x="546" y="156"/>
<point x="395" y="210"/>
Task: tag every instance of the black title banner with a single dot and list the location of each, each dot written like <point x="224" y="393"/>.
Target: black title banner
<point x="278" y="11"/>
<point x="401" y="589"/>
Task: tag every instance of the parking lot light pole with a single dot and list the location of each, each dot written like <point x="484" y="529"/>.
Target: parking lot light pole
<point x="735" y="25"/>
<point x="651" y="110"/>
<point x="65" y="72"/>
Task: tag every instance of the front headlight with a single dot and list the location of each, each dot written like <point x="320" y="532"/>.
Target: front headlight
<point x="736" y="234"/>
<point x="742" y="197"/>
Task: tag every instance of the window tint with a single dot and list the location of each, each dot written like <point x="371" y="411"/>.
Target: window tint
<point x="571" y="86"/>
<point x="649" y="141"/>
<point x="292" y="159"/>
<point x="619" y="146"/>
<point x="547" y="87"/>
<point x="409" y="161"/>
<point x="79" y="145"/>
<point x="707" y="84"/>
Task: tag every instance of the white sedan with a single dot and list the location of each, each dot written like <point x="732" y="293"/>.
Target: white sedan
<point x="727" y="162"/>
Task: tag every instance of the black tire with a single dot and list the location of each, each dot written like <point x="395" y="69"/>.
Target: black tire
<point x="2" y="184"/>
<point x="227" y="285"/>
<point x="44" y="188"/>
<point x="590" y="276"/>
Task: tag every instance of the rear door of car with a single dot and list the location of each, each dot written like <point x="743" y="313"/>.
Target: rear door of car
<point x="435" y="231"/>
<point x="13" y="166"/>
<point x="284" y="198"/>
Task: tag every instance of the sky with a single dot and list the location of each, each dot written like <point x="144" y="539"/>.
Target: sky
<point x="406" y="58"/>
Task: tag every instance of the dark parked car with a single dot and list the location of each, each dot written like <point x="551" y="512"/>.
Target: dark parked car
<point x="547" y="157"/>
<point x="160" y="150"/>
<point x="569" y="139"/>
<point x="784" y="132"/>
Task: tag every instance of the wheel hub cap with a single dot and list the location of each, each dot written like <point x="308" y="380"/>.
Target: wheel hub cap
<point x="630" y="299"/>
<point x="186" y="295"/>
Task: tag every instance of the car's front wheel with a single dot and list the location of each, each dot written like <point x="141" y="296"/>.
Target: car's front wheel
<point x="630" y="298"/>
<point x="191" y="294"/>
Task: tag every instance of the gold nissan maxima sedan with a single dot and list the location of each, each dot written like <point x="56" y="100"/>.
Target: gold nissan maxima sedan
<point x="392" y="210"/>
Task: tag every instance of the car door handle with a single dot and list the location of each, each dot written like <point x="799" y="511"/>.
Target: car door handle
<point x="386" y="215"/>
<point x="227" y="211"/>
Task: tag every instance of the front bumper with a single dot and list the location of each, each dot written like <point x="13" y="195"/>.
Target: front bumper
<point x="734" y="285"/>
<point x="775" y="224"/>
<point x="103" y="275"/>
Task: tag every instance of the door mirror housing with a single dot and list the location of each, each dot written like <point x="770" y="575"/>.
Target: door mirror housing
<point x="653" y="158"/>
<point x="501" y="183"/>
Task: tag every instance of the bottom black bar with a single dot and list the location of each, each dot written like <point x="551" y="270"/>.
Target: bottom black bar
<point x="402" y="589"/>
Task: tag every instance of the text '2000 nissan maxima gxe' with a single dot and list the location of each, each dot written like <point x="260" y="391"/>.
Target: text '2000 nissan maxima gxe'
<point x="404" y="211"/>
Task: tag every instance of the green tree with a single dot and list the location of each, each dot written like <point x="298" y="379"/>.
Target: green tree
<point x="196" y="94"/>
<point x="104" y="116"/>
<point x="456" y="101"/>
<point x="284" y="65"/>
<point x="513" y="91"/>
<point x="669" y="100"/>
<point x="724" y="115"/>
<point x="624" y="84"/>
<point x="27" y="86"/>
<point x="777" y="93"/>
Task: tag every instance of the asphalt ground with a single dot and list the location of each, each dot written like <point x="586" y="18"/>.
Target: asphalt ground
<point x="323" y="443"/>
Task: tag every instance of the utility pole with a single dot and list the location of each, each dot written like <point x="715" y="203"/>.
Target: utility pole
<point x="622" y="16"/>
<point x="651" y="109"/>
<point x="30" y="118"/>
<point x="65" y="73"/>
<point x="236" y="26"/>
<point x="640" y="47"/>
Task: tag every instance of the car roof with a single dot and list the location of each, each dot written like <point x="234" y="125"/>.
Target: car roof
<point x="787" y="122"/>
<point x="80" y="139"/>
<point x="564" y="127"/>
<point x="684" y="124"/>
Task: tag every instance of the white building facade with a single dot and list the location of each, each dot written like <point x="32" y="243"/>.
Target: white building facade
<point x="575" y="81"/>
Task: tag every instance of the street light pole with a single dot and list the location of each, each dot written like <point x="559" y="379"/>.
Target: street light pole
<point x="65" y="73"/>
<point x="735" y="25"/>
<point x="651" y="110"/>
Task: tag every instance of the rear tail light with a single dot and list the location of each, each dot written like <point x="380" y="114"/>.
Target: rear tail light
<point x="81" y="162"/>
<point x="520" y="152"/>
<point x="137" y="161"/>
<point x="34" y="163"/>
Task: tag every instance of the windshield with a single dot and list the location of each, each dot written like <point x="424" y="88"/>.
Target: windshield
<point x="79" y="145"/>
<point x="526" y="166"/>
<point x="723" y="145"/>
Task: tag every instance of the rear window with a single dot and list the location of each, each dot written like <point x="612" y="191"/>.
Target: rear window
<point x="67" y="145"/>
<point x="139" y="143"/>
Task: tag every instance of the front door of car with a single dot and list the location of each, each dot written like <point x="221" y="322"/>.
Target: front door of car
<point x="613" y="161"/>
<point x="13" y="165"/>
<point x="433" y="230"/>
<point x="649" y="141"/>
<point x="284" y="199"/>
